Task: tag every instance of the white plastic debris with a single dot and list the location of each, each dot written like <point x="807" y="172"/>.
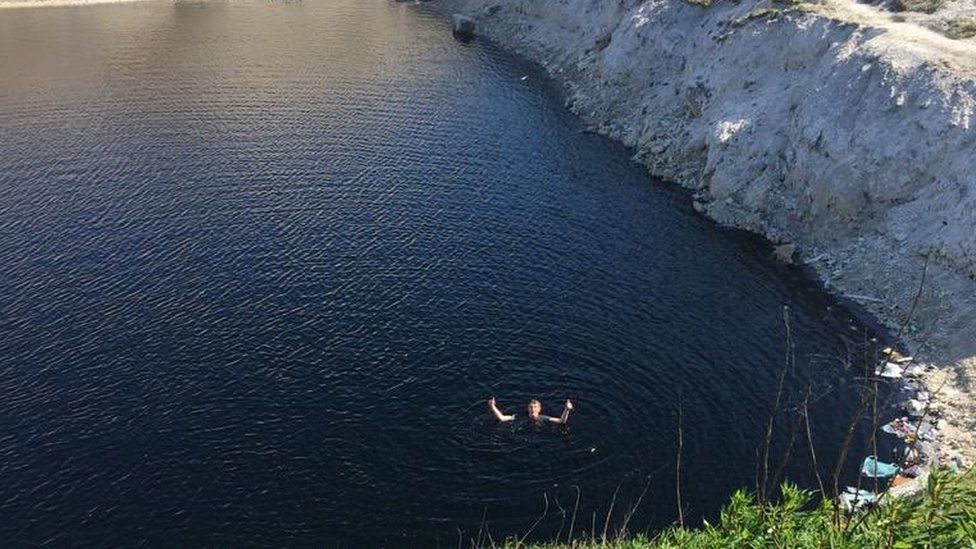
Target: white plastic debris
<point x="891" y="371"/>
<point x="914" y="370"/>
<point x="895" y="356"/>
<point x="915" y="407"/>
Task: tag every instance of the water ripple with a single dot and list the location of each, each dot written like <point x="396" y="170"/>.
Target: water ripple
<point x="262" y="264"/>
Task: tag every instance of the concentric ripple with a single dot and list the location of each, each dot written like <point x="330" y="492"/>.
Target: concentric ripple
<point x="261" y="264"/>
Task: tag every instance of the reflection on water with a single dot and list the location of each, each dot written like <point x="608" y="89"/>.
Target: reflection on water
<point x="261" y="264"/>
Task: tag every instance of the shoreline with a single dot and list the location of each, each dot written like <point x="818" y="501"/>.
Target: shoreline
<point x="14" y="4"/>
<point x="879" y="262"/>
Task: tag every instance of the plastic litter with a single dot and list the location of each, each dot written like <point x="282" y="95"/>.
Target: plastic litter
<point x="900" y="428"/>
<point x="890" y="371"/>
<point x="872" y="468"/>
<point x="915" y="407"/>
<point x="914" y="370"/>
<point x="895" y="356"/>
<point x="913" y="471"/>
<point x="852" y="498"/>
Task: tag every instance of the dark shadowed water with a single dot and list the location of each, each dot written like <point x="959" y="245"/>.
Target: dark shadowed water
<point x="262" y="263"/>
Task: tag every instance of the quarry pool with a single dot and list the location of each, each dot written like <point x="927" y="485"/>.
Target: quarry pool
<point x="262" y="264"/>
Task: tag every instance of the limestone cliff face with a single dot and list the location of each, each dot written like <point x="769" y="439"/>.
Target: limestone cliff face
<point x="805" y="123"/>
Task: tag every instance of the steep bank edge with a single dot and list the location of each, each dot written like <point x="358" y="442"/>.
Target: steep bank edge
<point x="852" y="140"/>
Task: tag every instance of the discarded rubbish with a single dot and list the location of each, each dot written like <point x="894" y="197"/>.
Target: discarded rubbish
<point x="914" y="370"/>
<point x="912" y="472"/>
<point x="918" y="428"/>
<point x="852" y="498"/>
<point x="915" y="407"/>
<point x="872" y="468"/>
<point x="890" y="371"/>
<point x="911" y="456"/>
<point x="913" y="486"/>
<point x="900" y="427"/>
<point x="895" y="356"/>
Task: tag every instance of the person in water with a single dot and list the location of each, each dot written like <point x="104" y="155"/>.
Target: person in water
<point x="534" y="412"/>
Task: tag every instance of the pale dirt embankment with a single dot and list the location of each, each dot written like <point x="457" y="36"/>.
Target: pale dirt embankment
<point x="837" y="127"/>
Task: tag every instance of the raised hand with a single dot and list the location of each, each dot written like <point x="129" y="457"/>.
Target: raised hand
<point x="569" y="404"/>
<point x="498" y="413"/>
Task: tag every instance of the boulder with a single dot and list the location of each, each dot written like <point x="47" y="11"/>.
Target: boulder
<point x="785" y="252"/>
<point x="464" y="27"/>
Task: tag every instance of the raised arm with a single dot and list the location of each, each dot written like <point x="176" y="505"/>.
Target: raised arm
<point x="564" y="418"/>
<point x="498" y="413"/>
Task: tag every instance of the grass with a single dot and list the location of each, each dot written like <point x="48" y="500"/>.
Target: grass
<point x="969" y="479"/>
<point x="961" y="27"/>
<point x="944" y="515"/>
<point x="923" y="6"/>
<point x="941" y="514"/>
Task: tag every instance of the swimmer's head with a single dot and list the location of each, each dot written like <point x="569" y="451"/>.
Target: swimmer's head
<point x="535" y="408"/>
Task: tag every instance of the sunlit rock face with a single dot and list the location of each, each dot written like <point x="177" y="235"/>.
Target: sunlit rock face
<point x="852" y="141"/>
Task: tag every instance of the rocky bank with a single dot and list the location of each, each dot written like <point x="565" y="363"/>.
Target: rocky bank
<point x="836" y="129"/>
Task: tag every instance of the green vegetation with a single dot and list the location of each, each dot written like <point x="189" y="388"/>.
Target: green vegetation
<point x="969" y="479"/>
<point x="944" y="515"/>
<point x="923" y="6"/>
<point x="961" y="27"/>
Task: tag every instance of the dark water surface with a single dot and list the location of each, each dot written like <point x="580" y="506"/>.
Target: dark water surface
<point x="262" y="263"/>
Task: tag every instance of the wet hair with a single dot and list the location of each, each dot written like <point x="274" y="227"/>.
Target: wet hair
<point x="535" y="401"/>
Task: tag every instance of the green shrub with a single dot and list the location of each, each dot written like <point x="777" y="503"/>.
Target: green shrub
<point x="961" y="27"/>
<point x="944" y="515"/>
<point x="923" y="6"/>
